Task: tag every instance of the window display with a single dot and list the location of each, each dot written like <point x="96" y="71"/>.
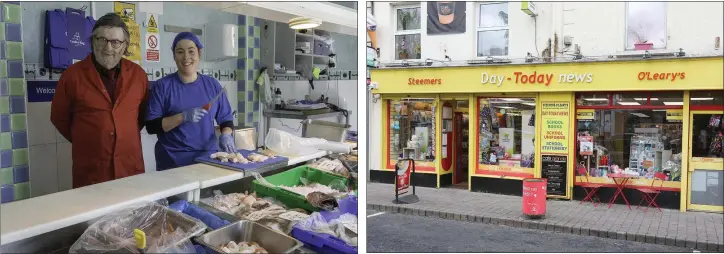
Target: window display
<point x="633" y="135"/>
<point x="507" y="132"/>
<point x="412" y="129"/>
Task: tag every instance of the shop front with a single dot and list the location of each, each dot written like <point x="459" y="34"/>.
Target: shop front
<point x="486" y="128"/>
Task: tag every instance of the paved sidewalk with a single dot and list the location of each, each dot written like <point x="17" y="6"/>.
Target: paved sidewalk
<point x="696" y="230"/>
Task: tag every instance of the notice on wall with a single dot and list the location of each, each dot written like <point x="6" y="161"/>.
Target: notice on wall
<point x="127" y="11"/>
<point x="134" y="46"/>
<point x="585" y="114"/>
<point x="585" y="145"/>
<point x="152" y="22"/>
<point x="555" y="123"/>
<point x="153" y="54"/>
<point x="555" y="168"/>
<point x="41" y="91"/>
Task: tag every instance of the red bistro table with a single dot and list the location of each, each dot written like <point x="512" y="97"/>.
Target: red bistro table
<point x="619" y="186"/>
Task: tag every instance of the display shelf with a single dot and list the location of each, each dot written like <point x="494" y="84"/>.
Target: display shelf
<point x="280" y="44"/>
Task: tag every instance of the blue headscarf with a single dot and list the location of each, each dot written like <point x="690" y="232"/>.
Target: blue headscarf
<point x="186" y="36"/>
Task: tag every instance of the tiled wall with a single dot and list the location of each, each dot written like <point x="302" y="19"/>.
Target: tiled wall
<point x="14" y="170"/>
<point x="248" y="65"/>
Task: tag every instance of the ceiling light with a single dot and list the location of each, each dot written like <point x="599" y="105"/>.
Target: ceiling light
<point x="654" y="99"/>
<point x="511" y="99"/>
<point x="629" y="103"/>
<point x="702" y="99"/>
<point x="639" y="115"/>
<point x="674" y="103"/>
<point x="529" y="104"/>
<point x="596" y="99"/>
<point x="640" y="99"/>
<point x="504" y="107"/>
<point x="304" y="23"/>
<point x="659" y="110"/>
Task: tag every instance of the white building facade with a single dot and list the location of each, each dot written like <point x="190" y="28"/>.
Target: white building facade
<point x="504" y="30"/>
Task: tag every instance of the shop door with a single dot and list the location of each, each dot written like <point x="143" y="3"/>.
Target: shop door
<point x="706" y="166"/>
<point x="461" y="148"/>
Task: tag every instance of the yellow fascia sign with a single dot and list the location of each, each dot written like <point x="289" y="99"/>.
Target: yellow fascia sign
<point x="639" y="75"/>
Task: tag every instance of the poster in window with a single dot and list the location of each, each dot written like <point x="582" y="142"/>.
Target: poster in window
<point x="445" y="18"/>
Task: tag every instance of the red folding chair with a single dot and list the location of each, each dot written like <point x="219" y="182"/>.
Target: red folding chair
<point x="590" y="188"/>
<point x="649" y="193"/>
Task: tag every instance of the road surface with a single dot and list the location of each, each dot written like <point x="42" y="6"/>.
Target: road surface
<point x="406" y="233"/>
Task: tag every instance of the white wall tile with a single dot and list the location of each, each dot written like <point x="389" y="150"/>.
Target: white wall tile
<point x="232" y="94"/>
<point x="43" y="170"/>
<point x="65" y="166"/>
<point x="40" y="129"/>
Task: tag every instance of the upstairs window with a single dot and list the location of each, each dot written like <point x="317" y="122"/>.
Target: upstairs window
<point x="492" y="29"/>
<point x="408" y="32"/>
<point x="645" y="25"/>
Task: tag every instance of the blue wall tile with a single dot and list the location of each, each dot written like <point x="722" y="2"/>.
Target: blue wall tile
<point x="6" y="158"/>
<point x="15" y="69"/>
<point x="250" y="31"/>
<point x="7" y="193"/>
<point x="257" y="42"/>
<point x="19" y="139"/>
<point x="4" y="91"/>
<point x="242" y="106"/>
<point x="17" y="104"/>
<point x="21" y="174"/>
<point x="257" y="64"/>
<point x="250" y="117"/>
<point x="250" y="75"/>
<point x="241" y="63"/>
<point x="241" y="20"/>
<point x="241" y="85"/>
<point x="5" y="123"/>
<point x="256" y="106"/>
<point x="2" y="48"/>
<point x="257" y="21"/>
<point x="13" y="32"/>
<point x="250" y="95"/>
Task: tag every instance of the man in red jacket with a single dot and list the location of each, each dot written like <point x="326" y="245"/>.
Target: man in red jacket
<point x="99" y="105"/>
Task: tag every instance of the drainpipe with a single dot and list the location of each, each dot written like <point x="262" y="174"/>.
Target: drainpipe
<point x="93" y="10"/>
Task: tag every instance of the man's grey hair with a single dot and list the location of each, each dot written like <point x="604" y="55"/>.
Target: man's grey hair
<point x="112" y="20"/>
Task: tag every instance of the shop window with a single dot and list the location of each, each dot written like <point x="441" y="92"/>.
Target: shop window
<point x="645" y="25"/>
<point x="639" y="142"/>
<point x="707" y="98"/>
<point x="631" y="100"/>
<point x="412" y="130"/>
<point x="408" y="33"/>
<point x="708" y="136"/>
<point x="667" y="99"/>
<point x="507" y="132"/>
<point x="492" y="29"/>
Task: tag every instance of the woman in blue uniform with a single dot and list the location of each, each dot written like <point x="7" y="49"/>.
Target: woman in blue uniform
<point x="176" y="112"/>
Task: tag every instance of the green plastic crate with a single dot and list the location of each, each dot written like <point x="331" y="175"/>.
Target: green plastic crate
<point x="293" y="177"/>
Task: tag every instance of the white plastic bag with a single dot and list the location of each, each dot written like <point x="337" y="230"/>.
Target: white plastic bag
<point x="288" y="145"/>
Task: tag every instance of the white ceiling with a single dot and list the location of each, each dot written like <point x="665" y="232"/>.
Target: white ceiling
<point x="334" y="18"/>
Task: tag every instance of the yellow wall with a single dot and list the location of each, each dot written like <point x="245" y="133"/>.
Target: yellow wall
<point x="700" y="74"/>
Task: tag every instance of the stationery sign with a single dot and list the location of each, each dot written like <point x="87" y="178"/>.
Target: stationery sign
<point x="555" y="123"/>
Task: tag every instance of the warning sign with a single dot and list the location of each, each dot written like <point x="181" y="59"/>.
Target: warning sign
<point x="152" y="23"/>
<point x="153" y="54"/>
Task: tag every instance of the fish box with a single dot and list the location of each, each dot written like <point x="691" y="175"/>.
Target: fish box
<point x="292" y="178"/>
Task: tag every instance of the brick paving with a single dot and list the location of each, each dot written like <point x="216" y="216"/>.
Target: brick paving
<point x="696" y="230"/>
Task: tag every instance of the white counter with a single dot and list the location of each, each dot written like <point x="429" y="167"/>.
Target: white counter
<point x="35" y="216"/>
<point x="27" y="218"/>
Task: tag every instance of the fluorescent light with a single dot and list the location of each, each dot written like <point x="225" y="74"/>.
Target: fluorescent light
<point x="639" y="115"/>
<point x="659" y="110"/>
<point x="640" y="99"/>
<point x="674" y="103"/>
<point x="702" y="99"/>
<point x="629" y="103"/>
<point x="529" y="104"/>
<point x="596" y="99"/>
<point x="511" y="99"/>
<point x="504" y="107"/>
<point x="654" y="99"/>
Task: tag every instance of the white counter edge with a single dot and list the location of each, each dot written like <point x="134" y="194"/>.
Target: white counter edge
<point x="11" y="237"/>
<point x="89" y="215"/>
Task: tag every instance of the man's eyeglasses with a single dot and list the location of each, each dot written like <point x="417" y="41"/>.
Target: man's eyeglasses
<point x="114" y="43"/>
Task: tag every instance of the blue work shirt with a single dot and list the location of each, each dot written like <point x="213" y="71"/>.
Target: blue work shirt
<point x="180" y="146"/>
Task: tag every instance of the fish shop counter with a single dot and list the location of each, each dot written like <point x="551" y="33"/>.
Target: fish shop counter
<point x="55" y="221"/>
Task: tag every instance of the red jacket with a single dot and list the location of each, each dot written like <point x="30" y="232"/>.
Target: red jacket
<point x="106" y="137"/>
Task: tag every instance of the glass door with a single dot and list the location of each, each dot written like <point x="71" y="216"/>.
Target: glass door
<point x="706" y="163"/>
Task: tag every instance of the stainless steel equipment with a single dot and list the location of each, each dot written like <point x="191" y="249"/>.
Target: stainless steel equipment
<point x="330" y="131"/>
<point x="248" y="231"/>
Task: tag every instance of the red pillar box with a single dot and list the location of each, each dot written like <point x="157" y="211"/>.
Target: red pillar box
<point x="534" y="197"/>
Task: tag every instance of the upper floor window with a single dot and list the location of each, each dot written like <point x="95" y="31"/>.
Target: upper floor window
<point x="492" y="29"/>
<point x="645" y="25"/>
<point x="408" y="32"/>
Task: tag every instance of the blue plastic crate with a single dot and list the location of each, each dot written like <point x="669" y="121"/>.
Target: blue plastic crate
<point x="324" y="243"/>
<point x="212" y="221"/>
